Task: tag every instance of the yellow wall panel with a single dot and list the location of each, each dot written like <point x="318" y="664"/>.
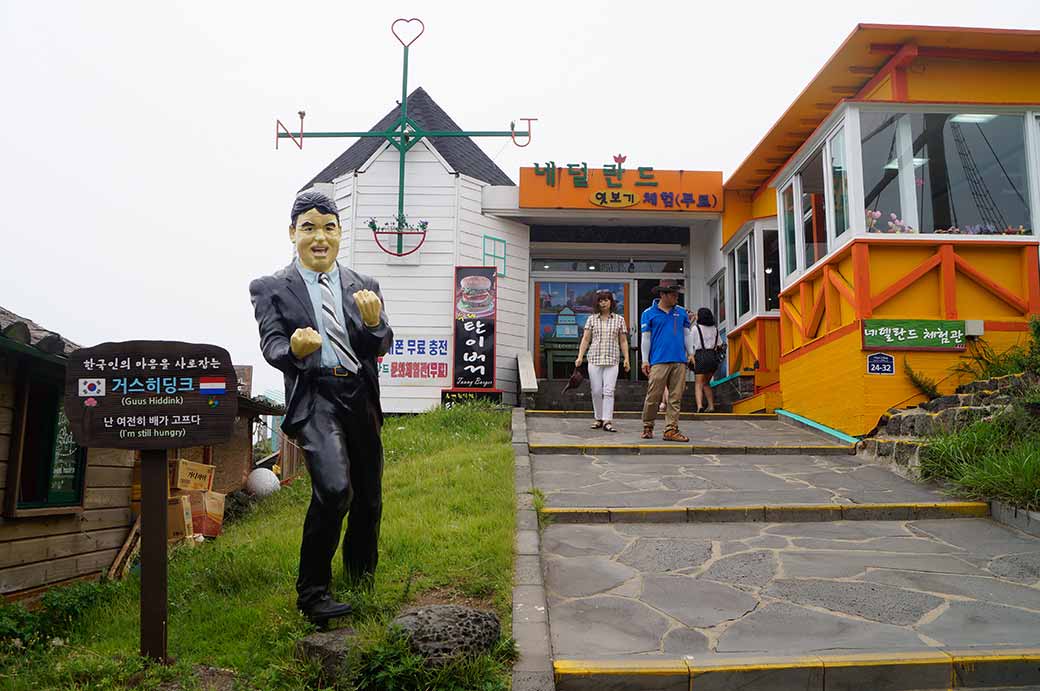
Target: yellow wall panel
<point x="890" y="264"/>
<point x="881" y="92"/>
<point x="824" y="385"/>
<point x="737" y="212"/>
<point x="933" y="79"/>
<point x="975" y="302"/>
<point x="922" y="299"/>
<point x="764" y="204"/>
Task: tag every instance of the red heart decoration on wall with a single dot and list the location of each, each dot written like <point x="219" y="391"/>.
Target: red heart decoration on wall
<point x="408" y="30"/>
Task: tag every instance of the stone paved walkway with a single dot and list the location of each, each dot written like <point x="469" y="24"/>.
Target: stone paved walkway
<point x="698" y="592"/>
<point x="721" y="432"/>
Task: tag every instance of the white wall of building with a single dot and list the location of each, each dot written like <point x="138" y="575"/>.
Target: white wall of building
<point x="513" y="288"/>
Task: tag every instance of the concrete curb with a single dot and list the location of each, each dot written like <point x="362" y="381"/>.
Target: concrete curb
<point x="687" y="450"/>
<point x="878" y="671"/>
<point x="533" y="670"/>
<point x="779" y="513"/>
<point x="638" y="414"/>
<point x="1014" y="517"/>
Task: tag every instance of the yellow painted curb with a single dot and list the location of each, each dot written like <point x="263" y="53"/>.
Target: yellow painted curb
<point x="695" y="667"/>
<point x="613" y="667"/>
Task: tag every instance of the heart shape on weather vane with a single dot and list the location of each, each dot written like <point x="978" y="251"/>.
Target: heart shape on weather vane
<point x="408" y="30"/>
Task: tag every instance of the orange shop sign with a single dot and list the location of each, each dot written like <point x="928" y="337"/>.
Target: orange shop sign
<point x="577" y="186"/>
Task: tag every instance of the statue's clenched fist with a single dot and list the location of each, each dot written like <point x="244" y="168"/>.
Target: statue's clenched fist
<point x="370" y="305"/>
<point x="304" y="342"/>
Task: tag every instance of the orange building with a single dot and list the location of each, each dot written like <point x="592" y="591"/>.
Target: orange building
<point x="886" y="220"/>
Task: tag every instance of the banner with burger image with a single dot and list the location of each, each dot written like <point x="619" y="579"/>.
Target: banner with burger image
<point x="475" y="310"/>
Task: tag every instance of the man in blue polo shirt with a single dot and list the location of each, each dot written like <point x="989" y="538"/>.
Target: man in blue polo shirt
<point x="666" y="348"/>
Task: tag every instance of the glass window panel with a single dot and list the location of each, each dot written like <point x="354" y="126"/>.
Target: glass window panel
<point x="743" y="280"/>
<point x="880" y="169"/>
<point x="814" y="217"/>
<point x="970" y="173"/>
<point x="839" y="183"/>
<point x="790" y="251"/>
<point x="771" y="259"/>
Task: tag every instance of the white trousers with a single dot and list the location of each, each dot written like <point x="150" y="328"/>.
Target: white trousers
<point x="602" y="378"/>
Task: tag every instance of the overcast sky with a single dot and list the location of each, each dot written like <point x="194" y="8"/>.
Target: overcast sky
<point x="140" y="190"/>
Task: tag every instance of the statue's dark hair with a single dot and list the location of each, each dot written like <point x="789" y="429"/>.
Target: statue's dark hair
<point x="312" y="199"/>
<point x="705" y="317"/>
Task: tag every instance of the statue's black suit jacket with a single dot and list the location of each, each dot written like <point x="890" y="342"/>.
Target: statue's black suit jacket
<point x="282" y="305"/>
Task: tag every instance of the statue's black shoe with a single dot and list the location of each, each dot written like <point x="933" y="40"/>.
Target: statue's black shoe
<point x="326" y="608"/>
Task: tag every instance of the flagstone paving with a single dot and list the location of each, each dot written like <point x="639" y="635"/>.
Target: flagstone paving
<point x="718" y="480"/>
<point x="702" y="591"/>
<point x="783" y="588"/>
<point x="721" y="432"/>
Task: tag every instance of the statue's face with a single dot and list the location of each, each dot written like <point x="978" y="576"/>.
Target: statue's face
<point x="316" y="236"/>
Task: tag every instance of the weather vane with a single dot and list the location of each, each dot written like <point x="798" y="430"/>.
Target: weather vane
<point x="403" y="134"/>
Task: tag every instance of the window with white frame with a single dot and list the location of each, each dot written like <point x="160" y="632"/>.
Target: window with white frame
<point x="741" y="263"/>
<point x="789" y="230"/>
<point x="839" y="178"/>
<point x="771" y="268"/>
<point x="495" y="253"/>
<point x="813" y="210"/>
<point x="717" y="293"/>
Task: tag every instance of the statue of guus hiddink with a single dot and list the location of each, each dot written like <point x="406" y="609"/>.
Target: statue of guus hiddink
<point x="323" y="326"/>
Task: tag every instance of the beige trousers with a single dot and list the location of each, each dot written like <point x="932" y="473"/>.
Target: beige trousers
<point x="672" y="375"/>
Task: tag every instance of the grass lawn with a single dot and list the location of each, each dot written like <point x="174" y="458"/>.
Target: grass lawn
<point x="447" y="536"/>
<point x="994" y="459"/>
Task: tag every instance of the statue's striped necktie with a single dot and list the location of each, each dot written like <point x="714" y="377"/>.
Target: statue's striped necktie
<point x="334" y="330"/>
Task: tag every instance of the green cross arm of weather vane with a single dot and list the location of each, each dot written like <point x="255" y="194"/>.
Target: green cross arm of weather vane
<point x="405" y="132"/>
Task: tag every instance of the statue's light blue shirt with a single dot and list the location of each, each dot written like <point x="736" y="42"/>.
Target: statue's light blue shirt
<point x="328" y="355"/>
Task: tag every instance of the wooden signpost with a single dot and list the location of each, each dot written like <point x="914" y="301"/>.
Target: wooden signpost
<point x="151" y="396"/>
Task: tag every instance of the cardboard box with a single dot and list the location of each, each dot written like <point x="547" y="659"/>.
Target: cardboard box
<point x="207" y="512"/>
<point x="191" y="476"/>
<point x="178" y="518"/>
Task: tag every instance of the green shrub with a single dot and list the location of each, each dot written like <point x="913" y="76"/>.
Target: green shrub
<point x="980" y="361"/>
<point x="924" y="384"/>
<point x="59" y="610"/>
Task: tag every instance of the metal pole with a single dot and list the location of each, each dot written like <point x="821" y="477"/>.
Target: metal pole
<point x="402" y="150"/>
<point x="154" y="479"/>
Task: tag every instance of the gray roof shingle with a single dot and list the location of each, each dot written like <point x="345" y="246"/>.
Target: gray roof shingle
<point x="461" y="153"/>
<point x="28" y="332"/>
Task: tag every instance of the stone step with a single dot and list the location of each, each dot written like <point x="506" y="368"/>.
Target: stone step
<point x="994" y="669"/>
<point x="765" y="605"/>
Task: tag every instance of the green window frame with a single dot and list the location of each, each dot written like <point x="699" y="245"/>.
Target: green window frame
<point x="47" y="467"/>
<point x="495" y="253"/>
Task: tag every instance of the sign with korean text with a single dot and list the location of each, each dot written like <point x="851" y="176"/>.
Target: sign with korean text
<point x="913" y="334"/>
<point x="475" y="306"/>
<point x="881" y="363"/>
<point x="549" y="185"/>
<point x="416" y="360"/>
<point x="150" y="395"/>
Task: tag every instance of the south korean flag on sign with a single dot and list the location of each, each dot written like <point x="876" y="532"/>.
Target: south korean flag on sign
<point x="91" y="387"/>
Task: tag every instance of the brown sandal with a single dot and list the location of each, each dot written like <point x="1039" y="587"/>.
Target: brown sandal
<point x="648" y="433"/>
<point x="599" y="424"/>
<point x="675" y="435"/>
<point x="607" y="427"/>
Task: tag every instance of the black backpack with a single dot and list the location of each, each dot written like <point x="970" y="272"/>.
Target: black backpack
<point x="707" y="359"/>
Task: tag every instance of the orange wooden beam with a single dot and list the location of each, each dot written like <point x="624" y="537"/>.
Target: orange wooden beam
<point x="861" y="280"/>
<point x="788" y="309"/>
<point x="813" y="322"/>
<point x="844" y="289"/>
<point x="991" y="285"/>
<point x="905" y="282"/>
<point x="748" y="346"/>
<point x="902" y="57"/>
<point x="763" y="364"/>
<point x="1031" y="273"/>
<point x="831" y="299"/>
<point x="949" y="281"/>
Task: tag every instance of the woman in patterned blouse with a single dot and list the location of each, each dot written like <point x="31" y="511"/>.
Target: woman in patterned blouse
<point x="606" y="341"/>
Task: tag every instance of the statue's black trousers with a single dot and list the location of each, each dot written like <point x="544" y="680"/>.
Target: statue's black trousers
<point x="341" y="442"/>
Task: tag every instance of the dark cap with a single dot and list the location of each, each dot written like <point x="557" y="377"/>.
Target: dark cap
<point x="667" y="285"/>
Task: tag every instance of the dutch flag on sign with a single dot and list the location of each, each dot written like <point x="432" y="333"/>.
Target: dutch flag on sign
<point x="211" y="385"/>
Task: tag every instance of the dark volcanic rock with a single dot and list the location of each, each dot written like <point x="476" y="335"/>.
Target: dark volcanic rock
<point x="440" y="632"/>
